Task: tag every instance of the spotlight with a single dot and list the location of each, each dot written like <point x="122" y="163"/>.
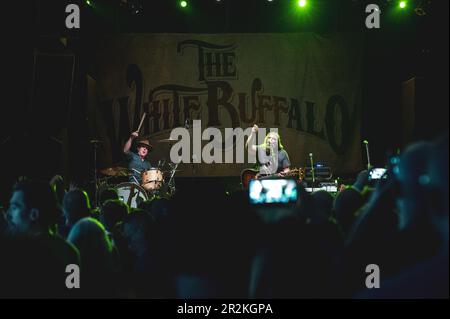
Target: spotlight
<point x="402" y="4"/>
<point x="183" y="4"/>
<point x="301" y="3"/>
<point x="89" y="3"/>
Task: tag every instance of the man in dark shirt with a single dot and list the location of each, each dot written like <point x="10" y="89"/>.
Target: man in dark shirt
<point x="35" y="263"/>
<point x="137" y="162"/>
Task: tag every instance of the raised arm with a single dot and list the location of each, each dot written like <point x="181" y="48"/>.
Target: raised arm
<point x="250" y="139"/>
<point x="127" y="146"/>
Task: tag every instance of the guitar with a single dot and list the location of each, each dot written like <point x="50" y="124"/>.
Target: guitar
<point x="248" y="174"/>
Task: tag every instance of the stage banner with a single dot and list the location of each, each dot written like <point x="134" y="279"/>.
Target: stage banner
<point x="305" y="85"/>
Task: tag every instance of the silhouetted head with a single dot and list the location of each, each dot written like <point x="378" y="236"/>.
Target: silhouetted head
<point x="113" y="211"/>
<point x="346" y="204"/>
<point x="137" y="228"/>
<point x="76" y="206"/>
<point x="146" y="205"/>
<point x="160" y="208"/>
<point x="3" y="222"/>
<point x="95" y="247"/>
<point x="323" y="207"/>
<point x="436" y="185"/>
<point x="32" y="208"/>
<point x="411" y="204"/>
<point x="106" y="194"/>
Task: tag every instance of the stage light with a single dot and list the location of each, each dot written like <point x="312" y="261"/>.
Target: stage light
<point x="183" y="4"/>
<point x="402" y="4"/>
<point x="301" y="3"/>
<point x="89" y="3"/>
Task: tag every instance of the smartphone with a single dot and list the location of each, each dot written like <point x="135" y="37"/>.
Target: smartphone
<point x="273" y="191"/>
<point x="377" y="173"/>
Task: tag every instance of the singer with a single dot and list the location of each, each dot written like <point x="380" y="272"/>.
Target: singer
<point x="137" y="162"/>
<point x="272" y="158"/>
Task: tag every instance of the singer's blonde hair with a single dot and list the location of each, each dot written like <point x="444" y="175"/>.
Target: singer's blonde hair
<point x="280" y="145"/>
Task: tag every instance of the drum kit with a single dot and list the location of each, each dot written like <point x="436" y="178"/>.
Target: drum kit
<point x="157" y="181"/>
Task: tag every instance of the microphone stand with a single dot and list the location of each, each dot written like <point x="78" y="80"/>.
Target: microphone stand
<point x="366" y="144"/>
<point x="95" y="145"/>
<point x="171" y="180"/>
<point x="312" y="171"/>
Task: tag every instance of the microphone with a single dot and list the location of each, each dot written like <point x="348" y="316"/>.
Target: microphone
<point x="366" y="144"/>
<point x="311" y="161"/>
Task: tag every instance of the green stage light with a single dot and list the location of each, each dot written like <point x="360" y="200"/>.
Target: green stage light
<point x="88" y="2"/>
<point x="402" y="4"/>
<point x="183" y="4"/>
<point x="301" y="3"/>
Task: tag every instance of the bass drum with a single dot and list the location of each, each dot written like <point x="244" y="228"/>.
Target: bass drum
<point x="131" y="193"/>
<point x="152" y="179"/>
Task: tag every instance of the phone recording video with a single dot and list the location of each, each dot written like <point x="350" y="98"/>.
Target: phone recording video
<point x="273" y="191"/>
<point x="377" y="173"/>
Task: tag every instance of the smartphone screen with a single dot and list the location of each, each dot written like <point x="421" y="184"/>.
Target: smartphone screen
<point x="377" y="173"/>
<point x="273" y="191"/>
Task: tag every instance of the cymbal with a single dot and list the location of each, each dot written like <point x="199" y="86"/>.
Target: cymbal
<point x="115" y="171"/>
<point x="167" y="140"/>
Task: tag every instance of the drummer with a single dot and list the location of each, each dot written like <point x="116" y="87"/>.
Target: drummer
<point x="137" y="162"/>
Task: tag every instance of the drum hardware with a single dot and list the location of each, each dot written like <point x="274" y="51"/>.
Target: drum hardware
<point x="95" y="146"/>
<point x="167" y="140"/>
<point x="135" y="179"/>
<point x="170" y="183"/>
<point x="152" y="179"/>
<point x="156" y="181"/>
<point x="131" y="193"/>
<point x="115" y="171"/>
<point x="172" y="170"/>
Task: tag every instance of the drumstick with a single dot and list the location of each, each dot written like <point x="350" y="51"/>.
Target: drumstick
<point x="142" y="121"/>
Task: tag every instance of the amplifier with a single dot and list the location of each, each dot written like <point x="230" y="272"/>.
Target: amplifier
<point x="320" y="173"/>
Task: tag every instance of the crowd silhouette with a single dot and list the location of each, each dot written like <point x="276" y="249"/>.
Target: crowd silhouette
<point x="213" y="245"/>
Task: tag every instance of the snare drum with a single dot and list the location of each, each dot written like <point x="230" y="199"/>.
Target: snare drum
<point x="152" y="179"/>
<point x="131" y="193"/>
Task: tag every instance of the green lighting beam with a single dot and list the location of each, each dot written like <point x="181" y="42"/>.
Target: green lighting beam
<point x="302" y="3"/>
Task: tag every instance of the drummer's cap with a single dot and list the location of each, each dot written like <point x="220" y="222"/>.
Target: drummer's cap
<point x="144" y="143"/>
